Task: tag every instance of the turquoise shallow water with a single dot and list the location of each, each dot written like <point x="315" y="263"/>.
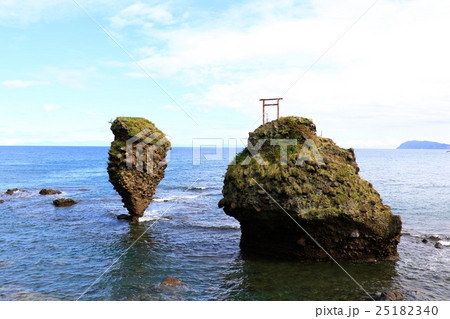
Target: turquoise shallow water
<point x="56" y="253"/>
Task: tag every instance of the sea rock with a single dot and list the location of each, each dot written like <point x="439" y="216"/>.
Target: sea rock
<point x="11" y="191"/>
<point x="311" y="194"/>
<point x="64" y="202"/>
<point x="123" y="217"/>
<point x="1" y="201"/>
<point x="46" y="191"/>
<point x="172" y="281"/>
<point x="424" y="240"/>
<point x="438" y="245"/>
<point x="137" y="162"/>
<point x="391" y="295"/>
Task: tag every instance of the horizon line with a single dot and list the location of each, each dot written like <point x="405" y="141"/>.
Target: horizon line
<point x="179" y="145"/>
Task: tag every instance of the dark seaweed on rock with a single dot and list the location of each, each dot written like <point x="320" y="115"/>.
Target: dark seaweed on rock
<point x="327" y="197"/>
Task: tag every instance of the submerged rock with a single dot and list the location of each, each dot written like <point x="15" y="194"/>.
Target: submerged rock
<point x="64" y="202"/>
<point x="137" y="161"/>
<point x="11" y="191"/>
<point x="172" y="281"/>
<point x="123" y="217"/>
<point x="1" y="201"/>
<point x="318" y="186"/>
<point x="46" y="191"/>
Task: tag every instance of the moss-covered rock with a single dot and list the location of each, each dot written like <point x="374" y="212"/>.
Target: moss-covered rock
<point x="137" y="168"/>
<point x="318" y="185"/>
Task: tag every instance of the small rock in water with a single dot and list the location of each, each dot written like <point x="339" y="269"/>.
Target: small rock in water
<point x="434" y="237"/>
<point x="391" y="295"/>
<point x="64" y="202"/>
<point x="424" y="240"/>
<point x="438" y="245"/>
<point x="124" y="216"/>
<point x="2" y="201"/>
<point x="11" y="191"/>
<point x="46" y="191"/>
<point x="172" y="281"/>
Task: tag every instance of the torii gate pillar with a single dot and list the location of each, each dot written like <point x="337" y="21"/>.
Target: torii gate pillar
<point x="277" y="103"/>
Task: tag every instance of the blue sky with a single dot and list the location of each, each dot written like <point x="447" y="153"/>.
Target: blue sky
<point x="385" y="81"/>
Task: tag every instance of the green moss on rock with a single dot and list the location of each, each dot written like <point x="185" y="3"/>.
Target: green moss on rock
<point x="136" y="187"/>
<point x="325" y="191"/>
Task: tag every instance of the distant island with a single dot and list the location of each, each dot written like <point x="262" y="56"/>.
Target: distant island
<point x="424" y="145"/>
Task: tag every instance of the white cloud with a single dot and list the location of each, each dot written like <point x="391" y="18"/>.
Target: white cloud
<point x="51" y="107"/>
<point x="22" y="83"/>
<point x="14" y="12"/>
<point x="74" y="78"/>
<point x="386" y="79"/>
<point x="142" y="14"/>
<point x="388" y="76"/>
<point x="9" y="141"/>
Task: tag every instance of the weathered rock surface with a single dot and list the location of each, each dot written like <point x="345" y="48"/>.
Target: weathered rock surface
<point x="135" y="172"/>
<point x="64" y="202"/>
<point x="318" y="185"/>
<point x="46" y="191"/>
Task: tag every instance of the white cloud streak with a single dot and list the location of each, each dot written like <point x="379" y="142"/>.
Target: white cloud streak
<point x="23" y="83"/>
<point x="141" y="14"/>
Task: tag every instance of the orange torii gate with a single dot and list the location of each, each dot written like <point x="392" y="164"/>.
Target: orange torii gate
<point x="277" y="103"/>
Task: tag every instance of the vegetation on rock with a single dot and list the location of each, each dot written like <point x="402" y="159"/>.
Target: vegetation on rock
<point x="137" y="185"/>
<point x="318" y="185"/>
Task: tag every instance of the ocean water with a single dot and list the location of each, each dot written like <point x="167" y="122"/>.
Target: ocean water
<point x="49" y="253"/>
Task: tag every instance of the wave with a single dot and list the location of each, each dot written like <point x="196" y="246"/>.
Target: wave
<point x="153" y="215"/>
<point x="20" y="194"/>
<point x="198" y="188"/>
<point x="175" y="198"/>
<point x="442" y="238"/>
<point x="216" y="227"/>
<point x="25" y="193"/>
<point x="192" y="188"/>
